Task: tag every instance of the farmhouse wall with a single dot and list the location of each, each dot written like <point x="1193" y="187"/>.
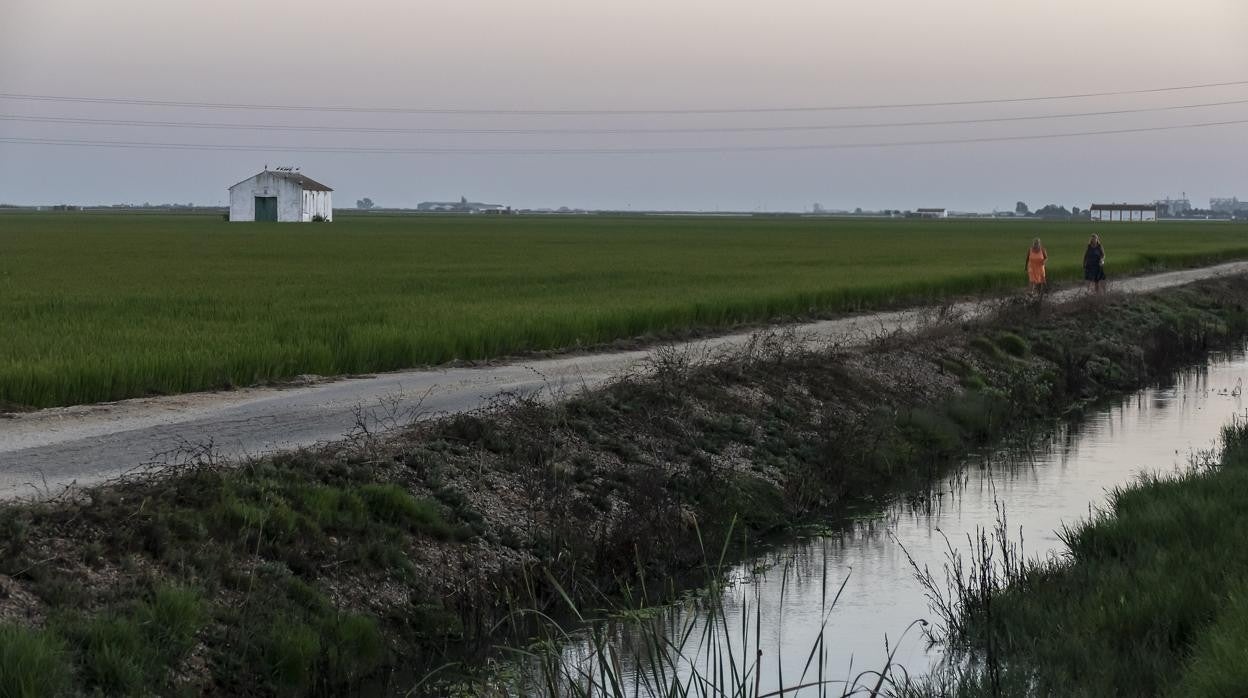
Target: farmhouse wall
<point x="317" y="203"/>
<point x="289" y="198"/>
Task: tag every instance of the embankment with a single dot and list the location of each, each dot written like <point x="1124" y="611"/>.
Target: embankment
<point x="318" y="572"/>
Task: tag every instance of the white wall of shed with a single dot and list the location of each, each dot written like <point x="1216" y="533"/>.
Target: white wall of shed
<point x="317" y="203"/>
<point x="289" y="198"/>
<point x="243" y="202"/>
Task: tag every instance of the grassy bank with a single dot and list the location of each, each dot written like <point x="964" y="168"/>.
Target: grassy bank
<point x="105" y="306"/>
<point x="318" y="573"/>
<point x="1151" y="598"/>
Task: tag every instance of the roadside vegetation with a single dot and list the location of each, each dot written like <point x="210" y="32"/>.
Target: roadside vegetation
<point x="363" y="566"/>
<point x="1149" y="599"/>
<point x="97" y="307"/>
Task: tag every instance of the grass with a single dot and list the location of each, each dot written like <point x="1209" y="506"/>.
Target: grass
<point x="33" y="663"/>
<point x="124" y="650"/>
<point x="107" y="306"/>
<point x="222" y="558"/>
<point x="1150" y="600"/>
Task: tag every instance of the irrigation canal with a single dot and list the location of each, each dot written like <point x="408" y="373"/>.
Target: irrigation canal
<point x="781" y="596"/>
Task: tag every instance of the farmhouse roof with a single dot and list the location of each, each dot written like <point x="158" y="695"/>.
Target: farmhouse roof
<point x="299" y="178"/>
<point x="303" y="180"/>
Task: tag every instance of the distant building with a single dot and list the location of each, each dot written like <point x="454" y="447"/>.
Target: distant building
<point x="1231" y="205"/>
<point x="282" y="195"/>
<point x="1173" y="207"/>
<point x="1123" y="213"/>
<point x="461" y="206"/>
<point x="932" y="212"/>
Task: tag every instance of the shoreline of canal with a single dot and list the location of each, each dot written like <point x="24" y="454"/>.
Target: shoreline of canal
<point x="1148" y="597"/>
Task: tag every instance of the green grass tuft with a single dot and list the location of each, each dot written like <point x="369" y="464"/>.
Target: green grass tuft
<point x="290" y="652"/>
<point x="127" y="651"/>
<point x="355" y="648"/>
<point x="987" y="347"/>
<point x="171" y="620"/>
<point x="33" y="663"/>
<point x="115" y="654"/>
<point x="394" y="505"/>
<point x="1013" y="345"/>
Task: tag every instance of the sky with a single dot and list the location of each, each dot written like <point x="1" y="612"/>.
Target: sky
<point x="617" y="56"/>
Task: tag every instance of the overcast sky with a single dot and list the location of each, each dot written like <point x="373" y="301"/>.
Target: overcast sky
<point x="634" y="55"/>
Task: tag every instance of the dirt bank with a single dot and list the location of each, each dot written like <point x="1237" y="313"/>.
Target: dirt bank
<point x="315" y="572"/>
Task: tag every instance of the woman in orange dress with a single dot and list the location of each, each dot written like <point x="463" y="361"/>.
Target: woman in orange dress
<point x="1036" y="257"/>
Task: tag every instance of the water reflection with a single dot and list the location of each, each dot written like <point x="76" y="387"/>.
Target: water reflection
<point x="1051" y="479"/>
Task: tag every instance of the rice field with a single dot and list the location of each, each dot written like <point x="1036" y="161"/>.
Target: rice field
<point x="105" y="306"/>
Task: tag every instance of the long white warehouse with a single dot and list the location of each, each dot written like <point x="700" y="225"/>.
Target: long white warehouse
<point x="283" y="195"/>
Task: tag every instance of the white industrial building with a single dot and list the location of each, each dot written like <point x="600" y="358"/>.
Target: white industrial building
<point x="1230" y="205"/>
<point x="282" y="195"/>
<point x="1123" y="213"/>
<point x="1174" y="207"/>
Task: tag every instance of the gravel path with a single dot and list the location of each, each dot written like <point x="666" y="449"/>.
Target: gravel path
<point x="43" y="452"/>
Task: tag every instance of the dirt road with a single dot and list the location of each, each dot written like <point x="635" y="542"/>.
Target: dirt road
<point x="43" y="452"/>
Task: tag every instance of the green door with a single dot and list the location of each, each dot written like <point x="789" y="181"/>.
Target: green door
<point x="266" y="209"/>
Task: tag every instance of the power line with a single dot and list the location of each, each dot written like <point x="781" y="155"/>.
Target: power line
<point x="595" y="151"/>
<point x="596" y="112"/>
<point x="591" y="131"/>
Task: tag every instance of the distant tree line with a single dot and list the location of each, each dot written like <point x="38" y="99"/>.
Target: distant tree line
<point x="1050" y="211"/>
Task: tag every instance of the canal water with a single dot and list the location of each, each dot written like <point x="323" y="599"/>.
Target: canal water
<point x="779" y="602"/>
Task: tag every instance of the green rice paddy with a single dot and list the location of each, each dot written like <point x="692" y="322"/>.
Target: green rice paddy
<point x="106" y="306"/>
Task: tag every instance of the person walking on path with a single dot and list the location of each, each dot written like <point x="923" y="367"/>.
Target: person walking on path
<point x="1094" y="265"/>
<point x="1036" y="257"/>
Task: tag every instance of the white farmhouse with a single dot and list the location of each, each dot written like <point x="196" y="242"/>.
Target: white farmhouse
<point x="283" y="195"/>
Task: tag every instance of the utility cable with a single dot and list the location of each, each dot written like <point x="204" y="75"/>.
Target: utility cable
<point x="597" y="112"/>
<point x="591" y="131"/>
<point x="597" y="151"/>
